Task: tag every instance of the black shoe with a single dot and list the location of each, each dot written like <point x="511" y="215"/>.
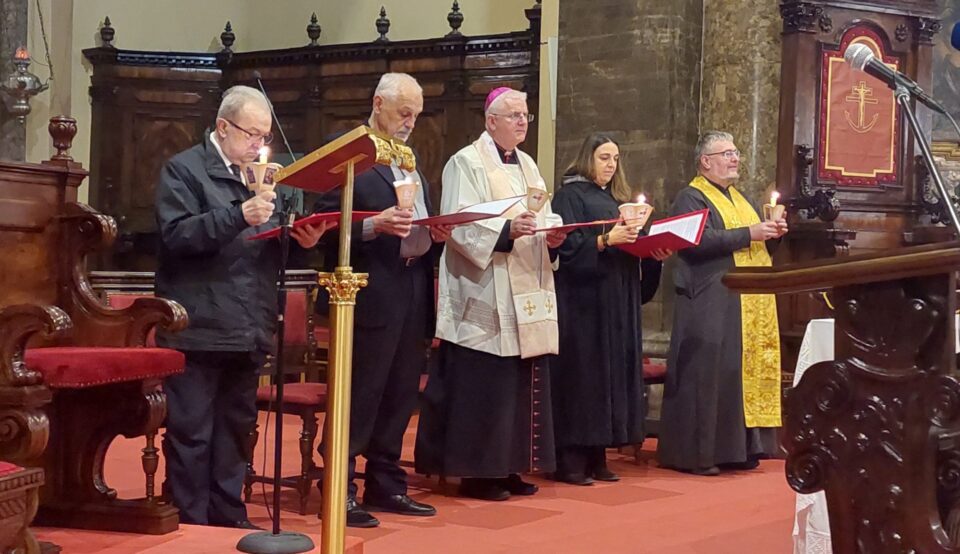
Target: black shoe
<point x="483" y="489"/>
<point x="573" y="478"/>
<point x="749" y="464"/>
<point x="398" y="504"/>
<point x="515" y="485"/>
<point x="242" y="524"/>
<point x="604" y="474"/>
<point x="357" y="516"/>
<point x="711" y="471"/>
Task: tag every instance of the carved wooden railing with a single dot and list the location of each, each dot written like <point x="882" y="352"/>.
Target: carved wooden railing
<point x="877" y="429"/>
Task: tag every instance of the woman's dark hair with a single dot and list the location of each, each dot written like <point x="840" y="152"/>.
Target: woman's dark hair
<point x="585" y="166"/>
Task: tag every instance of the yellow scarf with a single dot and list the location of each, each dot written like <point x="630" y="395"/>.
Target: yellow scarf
<point x="758" y="314"/>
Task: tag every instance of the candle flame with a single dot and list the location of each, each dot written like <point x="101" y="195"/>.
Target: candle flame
<point x="641" y="199"/>
<point x="774" y="196"/>
<point x="21" y="54"/>
<point x="264" y="154"/>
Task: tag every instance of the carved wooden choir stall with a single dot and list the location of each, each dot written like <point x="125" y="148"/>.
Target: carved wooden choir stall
<point x="74" y="373"/>
<point x="877" y="429"/>
<point x="846" y="164"/>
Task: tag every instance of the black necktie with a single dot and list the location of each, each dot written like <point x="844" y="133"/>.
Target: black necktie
<point x="235" y="169"/>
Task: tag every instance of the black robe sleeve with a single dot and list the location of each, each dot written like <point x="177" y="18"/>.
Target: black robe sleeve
<point x="579" y="251"/>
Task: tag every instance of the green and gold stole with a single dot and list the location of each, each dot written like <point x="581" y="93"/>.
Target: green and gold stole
<point x="758" y="314"/>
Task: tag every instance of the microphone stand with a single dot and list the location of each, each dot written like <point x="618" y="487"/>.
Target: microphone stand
<point x="278" y="542"/>
<point x="903" y="97"/>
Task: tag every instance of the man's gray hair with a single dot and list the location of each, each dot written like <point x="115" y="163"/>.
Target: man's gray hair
<point x="236" y="98"/>
<point x="706" y="140"/>
<point x="499" y="101"/>
<point x="391" y="84"/>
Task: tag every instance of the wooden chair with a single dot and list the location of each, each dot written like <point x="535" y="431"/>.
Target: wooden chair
<point x="306" y="399"/>
<point x="71" y="394"/>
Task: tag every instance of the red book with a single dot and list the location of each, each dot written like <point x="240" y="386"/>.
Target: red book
<point x="469" y="214"/>
<point x="313" y="219"/>
<point x="573" y="226"/>
<point x="673" y="233"/>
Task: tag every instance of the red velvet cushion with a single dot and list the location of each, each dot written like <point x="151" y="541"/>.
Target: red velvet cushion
<point x="6" y="468"/>
<point x="653" y="371"/>
<point x="322" y="335"/>
<point x="295" y="318"/>
<point x="306" y="394"/>
<point x="71" y="367"/>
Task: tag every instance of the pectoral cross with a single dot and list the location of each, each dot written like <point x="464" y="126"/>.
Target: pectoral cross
<point x="549" y="305"/>
<point x="862" y="95"/>
<point x="529" y="307"/>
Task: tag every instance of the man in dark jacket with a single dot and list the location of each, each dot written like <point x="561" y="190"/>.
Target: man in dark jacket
<point x="394" y="313"/>
<point x="228" y="286"/>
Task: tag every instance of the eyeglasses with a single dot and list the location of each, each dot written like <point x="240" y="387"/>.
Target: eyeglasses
<point x="516" y="117"/>
<point x="727" y="154"/>
<point x="267" y="138"/>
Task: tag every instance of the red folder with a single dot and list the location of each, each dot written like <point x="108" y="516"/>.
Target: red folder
<point x="572" y="226"/>
<point x="313" y="219"/>
<point x="469" y="214"/>
<point x="662" y="235"/>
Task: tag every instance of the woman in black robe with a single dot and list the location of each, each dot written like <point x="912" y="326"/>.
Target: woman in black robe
<point x="597" y="387"/>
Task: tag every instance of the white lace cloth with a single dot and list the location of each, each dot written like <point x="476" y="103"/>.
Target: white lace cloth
<point x="811" y="526"/>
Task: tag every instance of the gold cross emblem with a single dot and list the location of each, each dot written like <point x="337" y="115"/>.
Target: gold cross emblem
<point x="529" y="307"/>
<point x="862" y="95"/>
<point x="549" y="305"/>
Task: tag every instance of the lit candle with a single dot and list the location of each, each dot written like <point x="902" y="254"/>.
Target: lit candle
<point x="774" y="196"/>
<point x="641" y="199"/>
<point x="264" y="152"/>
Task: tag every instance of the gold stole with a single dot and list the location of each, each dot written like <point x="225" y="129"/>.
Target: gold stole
<point x="758" y="314"/>
<point x="528" y="267"/>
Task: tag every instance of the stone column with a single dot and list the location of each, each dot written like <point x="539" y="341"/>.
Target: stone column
<point x="741" y="84"/>
<point x="631" y="68"/>
<point x="13" y="34"/>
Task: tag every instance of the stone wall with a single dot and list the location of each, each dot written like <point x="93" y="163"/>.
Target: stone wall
<point x="632" y="68"/>
<point x="653" y="73"/>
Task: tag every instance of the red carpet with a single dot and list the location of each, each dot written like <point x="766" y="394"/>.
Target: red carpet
<point x="650" y="511"/>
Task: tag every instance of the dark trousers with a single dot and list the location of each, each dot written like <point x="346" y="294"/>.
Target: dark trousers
<point x="211" y="409"/>
<point x="387" y="364"/>
<point x="582" y="460"/>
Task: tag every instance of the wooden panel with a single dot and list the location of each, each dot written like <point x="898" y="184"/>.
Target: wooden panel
<point x="835" y="219"/>
<point x="149" y="105"/>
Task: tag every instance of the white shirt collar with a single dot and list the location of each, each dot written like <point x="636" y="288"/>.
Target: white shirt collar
<point x="213" y="139"/>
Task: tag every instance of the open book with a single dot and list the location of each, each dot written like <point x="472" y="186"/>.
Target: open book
<point x="674" y="233"/>
<point x="469" y="214"/>
<point x="314" y="219"/>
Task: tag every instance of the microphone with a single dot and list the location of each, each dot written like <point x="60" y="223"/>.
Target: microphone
<point x="256" y="75"/>
<point x="861" y="58"/>
<point x="955" y="38"/>
<point x="293" y="199"/>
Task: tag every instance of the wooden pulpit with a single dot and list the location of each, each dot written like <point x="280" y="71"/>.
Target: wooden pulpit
<point x="878" y="428"/>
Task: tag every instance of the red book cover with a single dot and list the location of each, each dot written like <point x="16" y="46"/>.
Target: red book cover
<point x="573" y="226"/>
<point x="469" y="214"/>
<point x="313" y="219"/>
<point x="673" y="233"/>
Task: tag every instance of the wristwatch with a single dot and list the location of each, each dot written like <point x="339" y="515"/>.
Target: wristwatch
<point x="606" y="239"/>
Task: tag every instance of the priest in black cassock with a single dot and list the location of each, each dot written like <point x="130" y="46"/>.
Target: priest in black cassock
<point x="597" y="386"/>
<point x="721" y="398"/>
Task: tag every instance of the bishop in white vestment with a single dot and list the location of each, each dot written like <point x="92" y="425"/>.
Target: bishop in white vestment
<point x="486" y="413"/>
